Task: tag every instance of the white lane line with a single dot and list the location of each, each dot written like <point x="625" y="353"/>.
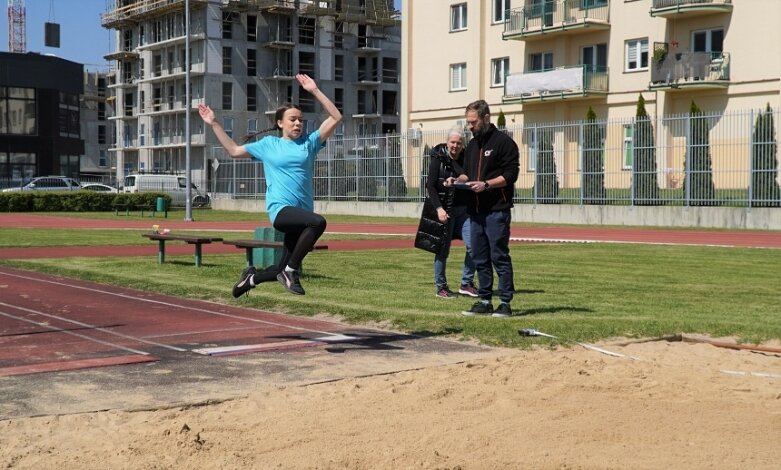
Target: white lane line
<point x="170" y="304"/>
<point x="86" y="325"/>
<point x="78" y="335"/>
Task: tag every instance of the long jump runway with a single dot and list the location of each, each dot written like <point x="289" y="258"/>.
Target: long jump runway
<point x="71" y="346"/>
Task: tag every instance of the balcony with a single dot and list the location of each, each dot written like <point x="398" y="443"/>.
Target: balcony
<point x="368" y="46"/>
<point x="691" y="70"/>
<point x="575" y="82"/>
<point x="140" y="10"/>
<point x="537" y="18"/>
<point x="123" y="54"/>
<point x="280" y="74"/>
<point x="689" y="8"/>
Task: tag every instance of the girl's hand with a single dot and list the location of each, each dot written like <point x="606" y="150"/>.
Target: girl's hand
<point x="306" y="82"/>
<point x="206" y="114"/>
<point x="442" y="215"/>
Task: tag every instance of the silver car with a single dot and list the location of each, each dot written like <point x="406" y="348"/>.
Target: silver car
<point x="48" y="183"/>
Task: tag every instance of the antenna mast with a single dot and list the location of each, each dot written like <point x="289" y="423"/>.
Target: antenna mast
<point x="17" y="26"/>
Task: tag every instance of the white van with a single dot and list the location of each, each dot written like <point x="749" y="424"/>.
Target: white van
<point x="173" y="185"/>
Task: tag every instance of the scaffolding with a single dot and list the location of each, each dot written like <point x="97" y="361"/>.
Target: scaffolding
<point x="121" y="13"/>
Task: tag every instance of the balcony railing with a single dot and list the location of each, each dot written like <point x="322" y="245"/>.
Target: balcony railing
<point x="667" y="8"/>
<point x="691" y="70"/>
<point x="565" y="82"/>
<point x="556" y="16"/>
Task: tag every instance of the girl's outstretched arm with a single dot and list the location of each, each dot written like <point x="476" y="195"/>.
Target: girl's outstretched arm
<point x="328" y="126"/>
<point x="233" y="149"/>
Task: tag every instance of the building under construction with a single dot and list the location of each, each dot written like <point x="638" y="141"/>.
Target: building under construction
<point x="244" y="55"/>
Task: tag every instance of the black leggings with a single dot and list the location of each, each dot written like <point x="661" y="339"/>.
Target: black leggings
<point x="302" y="229"/>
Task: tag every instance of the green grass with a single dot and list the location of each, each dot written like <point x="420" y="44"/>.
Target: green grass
<point x="25" y="238"/>
<point x="579" y="292"/>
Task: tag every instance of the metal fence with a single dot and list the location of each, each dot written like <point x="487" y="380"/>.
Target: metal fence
<point x="684" y="160"/>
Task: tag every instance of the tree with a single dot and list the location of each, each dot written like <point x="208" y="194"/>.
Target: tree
<point x="645" y="185"/>
<point x="593" y="167"/>
<point x="698" y="164"/>
<point x="546" y="181"/>
<point x="501" y="122"/>
<point x="765" y="191"/>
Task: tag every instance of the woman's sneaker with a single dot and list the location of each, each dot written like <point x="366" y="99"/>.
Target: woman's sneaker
<point x="468" y="289"/>
<point x="446" y="293"/>
<point x="243" y="285"/>
<point x="479" y="308"/>
<point x="289" y="279"/>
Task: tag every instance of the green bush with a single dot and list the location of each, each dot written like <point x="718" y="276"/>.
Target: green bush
<point x="74" y="201"/>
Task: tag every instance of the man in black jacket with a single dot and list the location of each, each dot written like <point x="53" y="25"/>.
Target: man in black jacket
<point x="491" y="164"/>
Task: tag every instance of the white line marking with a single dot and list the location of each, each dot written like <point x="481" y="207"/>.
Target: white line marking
<point x="60" y="330"/>
<point x="169" y="304"/>
<point x="87" y="325"/>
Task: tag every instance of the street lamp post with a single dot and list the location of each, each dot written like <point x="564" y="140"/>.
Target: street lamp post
<point x="188" y="138"/>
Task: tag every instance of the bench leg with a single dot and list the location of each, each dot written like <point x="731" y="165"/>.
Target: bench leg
<point x="160" y="251"/>
<point x="250" y="259"/>
<point x="197" y="255"/>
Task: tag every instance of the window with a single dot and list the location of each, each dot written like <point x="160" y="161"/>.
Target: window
<point x="636" y="55"/>
<point x="339" y="99"/>
<point x="339" y="35"/>
<point x="227" y="60"/>
<point x="227" y="24"/>
<point x="594" y="56"/>
<point x="458" y="17"/>
<point x="628" y="147"/>
<point x="500" y="7"/>
<point x="306" y="63"/>
<point x="711" y="41"/>
<point x="592" y="4"/>
<point x="101" y="135"/>
<point x="306" y="30"/>
<point x="17" y="111"/>
<point x="540" y="61"/>
<point x="458" y="77"/>
<point x="499" y="69"/>
<point x="252" y="28"/>
<point x="252" y="97"/>
<point x="103" y="158"/>
<point x="157" y="65"/>
<point x="252" y="62"/>
<point x="227" y="124"/>
<point x="252" y="125"/>
<point x="227" y="96"/>
<point x="339" y="67"/>
<point x="390" y="70"/>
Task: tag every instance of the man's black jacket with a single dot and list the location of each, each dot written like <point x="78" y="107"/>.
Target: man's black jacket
<point x="491" y="155"/>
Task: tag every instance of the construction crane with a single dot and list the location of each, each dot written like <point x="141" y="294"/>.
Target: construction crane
<point x="17" y="26"/>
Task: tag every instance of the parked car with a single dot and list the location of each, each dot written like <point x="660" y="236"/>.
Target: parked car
<point x="173" y="185"/>
<point x="103" y="188"/>
<point x="48" y="183"/>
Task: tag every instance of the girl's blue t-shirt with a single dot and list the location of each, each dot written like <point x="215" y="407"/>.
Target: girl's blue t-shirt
<point x="288" y="166"/>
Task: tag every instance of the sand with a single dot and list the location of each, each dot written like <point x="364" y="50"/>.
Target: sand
<point x="678" y="405"/>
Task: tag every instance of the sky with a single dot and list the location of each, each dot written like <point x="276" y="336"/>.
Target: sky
<point x="82" y="39"/>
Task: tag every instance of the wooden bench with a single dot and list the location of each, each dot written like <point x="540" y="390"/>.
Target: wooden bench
<point x="250" y="246"/>
<point x="140" y="207"/>
<point x="198" y="241"/>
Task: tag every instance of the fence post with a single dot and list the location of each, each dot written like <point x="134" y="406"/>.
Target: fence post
<point x="687" y="177"/>
<point x="750" y="160"/>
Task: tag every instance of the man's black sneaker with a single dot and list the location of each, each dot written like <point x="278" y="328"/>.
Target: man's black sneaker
<point x="479" y="308"/>
<point x="503" y="311"/>
<point x="243" y="285"/>
<point x="289" y="280"/>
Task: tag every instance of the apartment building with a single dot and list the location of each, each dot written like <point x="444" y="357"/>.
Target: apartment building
<point x="244" y="55"/>
<point x="97" y="163"/>
<point x="39" y="117"/>
<point x="549" y="61"/>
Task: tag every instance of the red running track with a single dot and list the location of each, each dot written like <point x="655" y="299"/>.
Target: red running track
<point x="50" y="323"/>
